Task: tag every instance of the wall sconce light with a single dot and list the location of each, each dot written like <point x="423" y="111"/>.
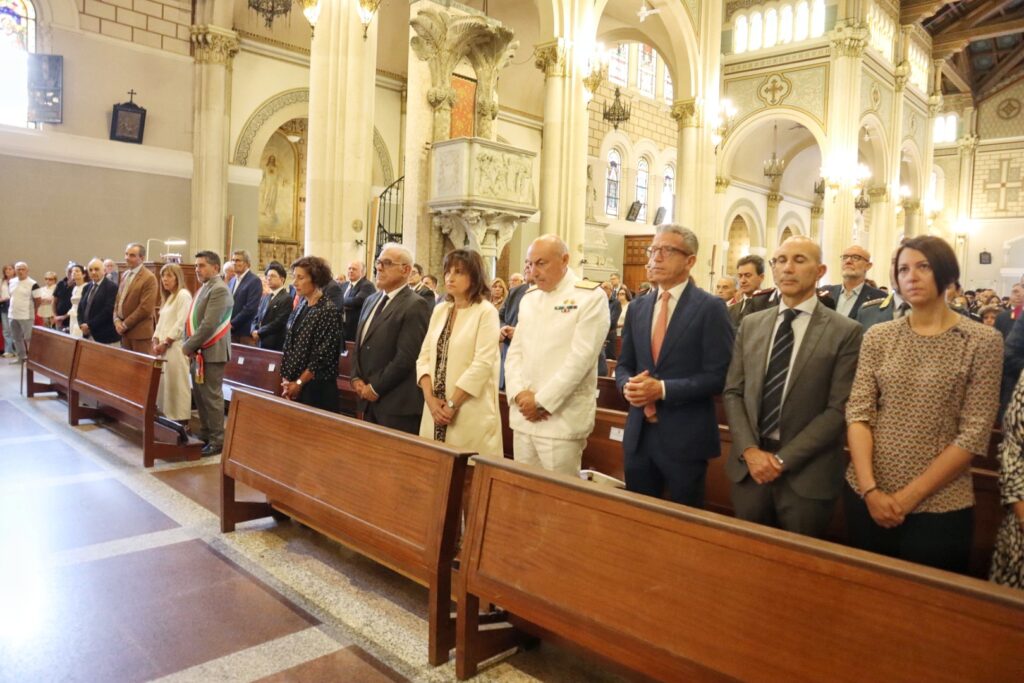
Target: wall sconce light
<point x="367" y="11"/>
<point x="311" y="10"/>
<point x="597" y="71"/>
<point x="838" y="176"/>
<point x="722" y="116"/>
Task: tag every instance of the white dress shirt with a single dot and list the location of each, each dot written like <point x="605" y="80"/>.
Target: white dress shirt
<point x="800" y="323"/>
<point x="847" y="298"/>
<point x="674" y="294"/>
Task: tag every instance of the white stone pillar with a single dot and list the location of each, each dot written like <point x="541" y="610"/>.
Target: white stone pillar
<point x="213" y="49"/>
<point x="967" y="146"/>
<point x="342" y="75"/>
<point x="563" y="185"/>
<point x="687" y="115"/>
<point x="880" y="242"/>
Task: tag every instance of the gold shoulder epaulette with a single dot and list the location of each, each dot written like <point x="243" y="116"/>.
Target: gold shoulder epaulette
<point x="533" y="288"/>
<point x="587" y="284"/>
<point x="873" y="302"/>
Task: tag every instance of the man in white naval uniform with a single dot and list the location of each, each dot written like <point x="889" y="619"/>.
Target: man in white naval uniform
<point x="551" y="366"/>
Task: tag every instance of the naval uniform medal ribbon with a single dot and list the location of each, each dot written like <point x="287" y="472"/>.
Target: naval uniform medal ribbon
<point x="192" y="323"/>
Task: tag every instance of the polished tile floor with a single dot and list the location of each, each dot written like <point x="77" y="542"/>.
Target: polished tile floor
<point x="110" y="572"/>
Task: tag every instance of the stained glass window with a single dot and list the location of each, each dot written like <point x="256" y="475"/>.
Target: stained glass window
<point x="643" y="173"/>
<point x="645" y="70"/>
<point x="611" y="199"/>
<point x="668" y="193"/>
<point x="618" y="64"/>
<point x="17" y="40"/>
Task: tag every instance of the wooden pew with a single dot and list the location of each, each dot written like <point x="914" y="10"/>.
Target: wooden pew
<point x="125" y="384"/>
<point x="347" y="399"/>
<point x="393" y="497"/>
<point x="677" y="594"/>
<point x="608" y="395"/>
<point x="52" y="355"/>
<point x="252" y="368"/>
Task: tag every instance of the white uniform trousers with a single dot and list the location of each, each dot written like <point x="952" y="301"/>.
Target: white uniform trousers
<point x="555" y="455"/>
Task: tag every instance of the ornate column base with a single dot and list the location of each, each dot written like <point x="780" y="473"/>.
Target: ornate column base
<point x="484" y="231"/>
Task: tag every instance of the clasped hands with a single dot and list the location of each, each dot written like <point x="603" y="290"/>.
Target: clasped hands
<point x="526" y="401"/>
<point x="889" y="510"/>
<point x="440" y="412"/>
<point x="764" y="467"/>
<point x="364" y="391"/>
<point x="641" y="390"/>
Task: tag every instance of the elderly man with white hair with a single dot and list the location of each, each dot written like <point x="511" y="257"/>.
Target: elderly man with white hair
<point x="388" y="338"/>
<point x="25" y="299"/>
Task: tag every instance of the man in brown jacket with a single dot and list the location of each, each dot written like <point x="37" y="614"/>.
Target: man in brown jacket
<point x="135" y="308"/>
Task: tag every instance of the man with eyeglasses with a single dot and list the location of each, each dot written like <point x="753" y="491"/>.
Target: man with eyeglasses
<point x="391" y="329"/>
<point x="551" y="364"/>
<point x="676" y="345"/>
<point x="855" y="291"/>
<point x="785" y="400"/>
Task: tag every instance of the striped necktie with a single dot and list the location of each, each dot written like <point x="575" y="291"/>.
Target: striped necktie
<point x="778" y="371"/>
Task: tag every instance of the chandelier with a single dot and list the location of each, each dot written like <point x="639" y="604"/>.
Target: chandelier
<point x="774" y="166"/>
<point x="270" y="9"/>
<point x="862" y="203"/>
<point x="617" y="113"/>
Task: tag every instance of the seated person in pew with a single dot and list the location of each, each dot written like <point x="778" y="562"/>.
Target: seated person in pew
<point x="551" y="365"/>
<point x="175" y="398"/>
<point x="785" y="398"/>
<point x="923" y="404"/>
<point x="208" y="347"/>
<point x="676" y="345"/>
<point x="388" y="339"/>
<point x="96" y="308"/>
<point x="269" y="325"/>
<point x="1008" y="558"/>
<point x="309" y="362"/>
<point x="458" y="362"/>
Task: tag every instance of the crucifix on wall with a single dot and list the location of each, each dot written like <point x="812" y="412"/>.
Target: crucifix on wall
<point x="1001" y="186"/>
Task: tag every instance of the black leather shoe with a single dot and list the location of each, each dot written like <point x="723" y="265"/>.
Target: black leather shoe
<point x="209" y="450"/>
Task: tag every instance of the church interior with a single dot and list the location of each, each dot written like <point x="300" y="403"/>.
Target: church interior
<point x="333" y="127"/>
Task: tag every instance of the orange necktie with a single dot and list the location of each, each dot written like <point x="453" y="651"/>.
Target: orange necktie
<point x="660" y="327"/>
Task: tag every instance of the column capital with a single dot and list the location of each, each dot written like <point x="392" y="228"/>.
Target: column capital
<point x="878" y="194"/>
<point x="774" y="199"/>
<point x="902" y="76"/>
<point x="550" y="58"/>
<point x="721" y="184"/>
<point x="850" y="39"/>
<point x="817" y="211"/>
<point x="934" y="104"/>
<point x="967" y="144"/>
<point x="687" y="113"/>
<point x="213" y="44"/>
<point x="911" y="205"/>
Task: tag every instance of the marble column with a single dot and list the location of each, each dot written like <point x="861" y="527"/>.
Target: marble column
<point x="213" y="49"/>
<point x="913" y="224"/>
<point x="563" y="186"/>
<point x="342" y="76"/>
<point x="687" y="115"/>
<point x="879" y="238"/>
<point x="967" y="146"/>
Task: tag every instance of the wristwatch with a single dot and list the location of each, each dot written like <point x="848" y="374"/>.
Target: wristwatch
<point x="299" y="381"/>
<point x="450" y="403"/>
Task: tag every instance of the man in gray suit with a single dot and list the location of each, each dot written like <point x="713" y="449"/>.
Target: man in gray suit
<point x="208" y="345"/>
<point x="785" y="399"/>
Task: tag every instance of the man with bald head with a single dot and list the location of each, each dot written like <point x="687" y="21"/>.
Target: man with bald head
<point x="851" y="295"/>
<point x="96" y="307"/>
<point x="785" y="400"/>
<point x="551" y="365"/>
<point x="354" y="293"/>
<point x="725" y="289"/>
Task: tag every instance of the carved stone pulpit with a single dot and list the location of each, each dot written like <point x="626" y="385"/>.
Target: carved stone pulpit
<point x="481" y="191"/>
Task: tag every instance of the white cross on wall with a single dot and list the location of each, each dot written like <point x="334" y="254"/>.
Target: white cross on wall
<point x="1003" y="185"/>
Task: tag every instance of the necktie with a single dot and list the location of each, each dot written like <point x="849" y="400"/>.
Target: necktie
<point x="88" y="302"/>
<point x="121" y="294"/>
<point x="658" y="338"/>
<point x="374" y="314"/>
<point x="778" y="371"/>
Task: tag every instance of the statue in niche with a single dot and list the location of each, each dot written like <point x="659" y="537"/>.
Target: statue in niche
<point x="591" y="193"/>
<point x="268" y="189"/>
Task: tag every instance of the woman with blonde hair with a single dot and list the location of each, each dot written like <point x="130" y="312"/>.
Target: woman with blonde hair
<point x="499" y="292"/>
<point x="175" y="398"/>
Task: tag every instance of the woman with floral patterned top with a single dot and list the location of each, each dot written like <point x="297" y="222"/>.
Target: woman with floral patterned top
<point x="922" y="405"/>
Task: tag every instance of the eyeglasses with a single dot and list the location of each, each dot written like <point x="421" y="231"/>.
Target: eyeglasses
<point x="387" y="263"/>
<point x="665" y="251"/>
<point x="852" y="257"/>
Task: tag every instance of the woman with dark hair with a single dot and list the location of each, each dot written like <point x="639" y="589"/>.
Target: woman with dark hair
<point x="78" y="281"/>
<point x="312" y="344"/>
<point x="457" y="368"/>
<point x="922" y="405"/>
<point x="5" y="303"/>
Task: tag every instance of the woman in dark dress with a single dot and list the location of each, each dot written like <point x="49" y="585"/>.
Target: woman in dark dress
<point x="309" y="366"/>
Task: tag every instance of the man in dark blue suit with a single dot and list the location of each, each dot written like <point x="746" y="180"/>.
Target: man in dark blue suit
<point x="676" y="347"/>
<point x="247" y="290"/>
<point x="96" y="307"/>
<point x="355" y="291"/>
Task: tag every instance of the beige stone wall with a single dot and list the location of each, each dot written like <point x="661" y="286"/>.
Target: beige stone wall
<point x="1002" y="115"/>
<point x="649" y="120"/>
<point x="163" y="25"/>
<point x="998" y="188"/>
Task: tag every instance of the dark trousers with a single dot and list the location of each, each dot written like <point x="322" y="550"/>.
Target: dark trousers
<point x="937" y="539"/>
<point x="776" y="504"/>
<point x="320" y="394"/>
<point x="409" y="424"/>
<point x="209" y="399"/>
<point x="653" y="472"/>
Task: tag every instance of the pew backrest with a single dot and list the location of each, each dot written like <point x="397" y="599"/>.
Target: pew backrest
<point x="253" y="368"/>
<point x="124" y="380"/>
<point x="52" y="355"/>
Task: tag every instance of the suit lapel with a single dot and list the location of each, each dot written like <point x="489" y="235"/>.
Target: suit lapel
<point x="812" y="336"/>
<point x="380" y="317"/>
<point x="644" y="324"/>
<point x="681" y="320"/>
<point x="758" y="336"/>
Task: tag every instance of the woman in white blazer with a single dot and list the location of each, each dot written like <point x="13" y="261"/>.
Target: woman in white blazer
<point x="175" y="397"/>
<point x="457" y="368"/>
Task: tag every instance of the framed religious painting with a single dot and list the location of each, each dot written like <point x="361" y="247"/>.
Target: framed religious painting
<point x="128" y="122"/>
<point x="45" y="88"/>
<point x="634" y="211"/>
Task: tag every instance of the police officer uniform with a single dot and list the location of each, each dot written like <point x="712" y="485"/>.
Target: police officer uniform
<point x="882" y="310"/>
<point x="554" y="354"/>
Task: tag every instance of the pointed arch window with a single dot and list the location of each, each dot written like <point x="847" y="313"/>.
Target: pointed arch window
<point x="739" y="34"/>
<point x="618" y="64"/>
<point x="17" y="40"/>
<point x="643" y="177"/>
<point x="802" y="21"/>
<point x="668" y="192"/>
<point x="612" y="181"/>
<point x="756" y="28"/>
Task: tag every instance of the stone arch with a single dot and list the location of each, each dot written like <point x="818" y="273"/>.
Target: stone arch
<point x="914" y="179"/>
<point x="752" y="122"/>
<point x="792" y="220"/>
<point x="752" y="217"/>
<point x="737" y="240"/>
<point x="380" y="148"/>
<point x="874" y="150"/>
<point x="56" y="13"/>
<point x="268" y="117"/>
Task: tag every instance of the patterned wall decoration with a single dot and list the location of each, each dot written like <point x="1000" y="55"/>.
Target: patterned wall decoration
<point x="803" y="88"/>
<point x="949" y="164"/>
<point x="998" y="189"/>
<point x="1002" y="115"/>
<point x="244" y="146"/>
<point x="915" y="124"/>
<point x="875" y="96"/>
<point x="464" y="109"/>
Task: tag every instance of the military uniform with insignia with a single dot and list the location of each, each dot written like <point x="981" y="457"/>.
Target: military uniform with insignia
<point x="882" y="310"/>
<point x="554" y="354"/>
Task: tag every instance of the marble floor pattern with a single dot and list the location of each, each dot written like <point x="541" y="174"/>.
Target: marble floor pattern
<point x="111" y="572"/>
